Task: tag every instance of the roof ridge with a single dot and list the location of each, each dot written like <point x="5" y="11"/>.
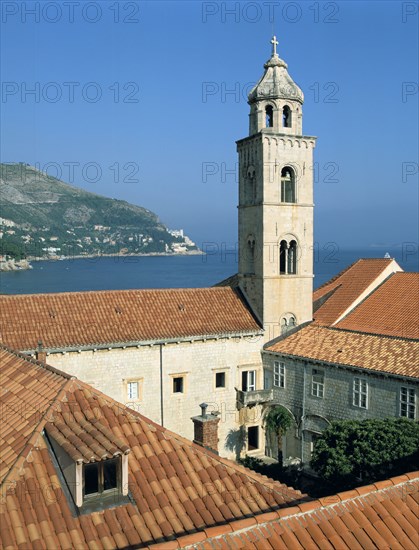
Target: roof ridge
<point x="335" y="277"/>
<point x="374" y="334"/>
<point x="120" y="290"/>
<point x="358" y="493"/>
<point x="368" y="296"/>
<point x="29" y="359"/>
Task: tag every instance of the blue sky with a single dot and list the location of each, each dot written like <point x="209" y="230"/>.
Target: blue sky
<point x="132" y="99"/>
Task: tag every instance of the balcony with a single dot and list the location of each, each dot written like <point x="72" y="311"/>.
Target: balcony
<point x="252" y="398"/>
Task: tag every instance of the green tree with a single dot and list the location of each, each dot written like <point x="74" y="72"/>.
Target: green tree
<point x="12" y="248"/>
<point x="277" y="422"/>
<point x="367" y="449"/>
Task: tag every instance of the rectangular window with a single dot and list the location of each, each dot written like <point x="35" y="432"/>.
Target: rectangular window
<point x="248" y="380"/>
<point x="317" y="383"/>
<point x="109" y="475"/>
<point x="132" y="390"/>
<point x="101" y="476"/>
<point x="267" y="382"/>
<point x="253" y="438"/>
<point x="360" y="393"/>
<point x="91" y="478"/>
<point x="279" y="374"/>
<point x="178" y="384"/>
<point x="407" y="403"/>
<point x="220" y="379"/>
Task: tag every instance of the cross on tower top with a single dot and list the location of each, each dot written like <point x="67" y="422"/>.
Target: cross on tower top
<point x="274" y="43"/>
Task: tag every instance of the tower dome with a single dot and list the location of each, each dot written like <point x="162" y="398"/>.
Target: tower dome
<point x="276" y="83"/>
<point x="276" y="100"/>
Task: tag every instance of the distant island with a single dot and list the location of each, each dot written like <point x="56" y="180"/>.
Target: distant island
<point x="44" y="218"/>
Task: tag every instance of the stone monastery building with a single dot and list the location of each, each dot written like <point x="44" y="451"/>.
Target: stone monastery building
<point x="260" y="338"/>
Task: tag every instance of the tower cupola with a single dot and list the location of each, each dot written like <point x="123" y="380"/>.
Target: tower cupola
<point x="276" y="100"/>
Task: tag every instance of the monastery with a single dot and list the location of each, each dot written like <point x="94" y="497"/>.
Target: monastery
<point x="120" y="410"/>
<point x="259" y="339"/>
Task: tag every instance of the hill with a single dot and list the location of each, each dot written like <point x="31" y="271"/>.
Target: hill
<point x="42" y="216"/>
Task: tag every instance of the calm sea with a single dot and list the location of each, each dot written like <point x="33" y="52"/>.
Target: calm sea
<point x="106" y="273"/>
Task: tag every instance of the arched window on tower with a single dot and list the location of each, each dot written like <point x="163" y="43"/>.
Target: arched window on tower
<point x="250" y="189"/>
<point x="286" y="117"/>
<point x="269" y="116"/>
<point x="250" y="254"/>
<point x="287" y="185"/>
<point x="288" y="322"/>
<point x="292" y="258"/>
<point x="283" y="257"/>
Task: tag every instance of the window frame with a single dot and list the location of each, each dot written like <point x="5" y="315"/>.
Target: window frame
<point x="133" y="396"/>
<point x="286" y="116"/>
<point x="359" y="394"/>
<point x="224" y="386"/>
<point x="278" y="376"/>
<point x="317" y="386"/>
<point x="182" y="375"/>
<point x="283" y="256"/>
<point x="408" y="403"/>
<point x="269" y="116"/>
<point x="249" y="373"/>
<point x="175" y="380"/>
<point x="101" y="478"/>
<point x="288" y="185"/>
<point x="292" y="258"/>
<point x="140" y="386"/>
<point x="257" y="430"/>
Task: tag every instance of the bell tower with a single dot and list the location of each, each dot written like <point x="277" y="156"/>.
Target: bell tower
<point x="276" y="203"/>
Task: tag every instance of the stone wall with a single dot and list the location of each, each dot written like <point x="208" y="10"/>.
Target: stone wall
<point x="155" y="367"/>
<point x="337" y="402"/>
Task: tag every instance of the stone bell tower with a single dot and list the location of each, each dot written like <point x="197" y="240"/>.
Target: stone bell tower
<point x="276" y="203"/>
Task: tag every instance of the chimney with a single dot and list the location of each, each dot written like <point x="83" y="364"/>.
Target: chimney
<point x="206" y="429"/>
<point x="41" y="354"/>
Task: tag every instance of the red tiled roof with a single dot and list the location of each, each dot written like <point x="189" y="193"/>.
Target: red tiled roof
<point x="71" y="320"/>
<point x="346" y="288"/>
<point x="392" y="309"/>
<point x="20" y="417"/>
<point x="379" y="516"/>
<point x="83" y="436"/>
<point x="378" y="353"/>
<point x="179" y="490"/>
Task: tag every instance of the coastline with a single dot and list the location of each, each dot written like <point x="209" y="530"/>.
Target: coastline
<point x="21" y="265"/>
<point x="14" y="265"/>
<point x="91" y="256"/>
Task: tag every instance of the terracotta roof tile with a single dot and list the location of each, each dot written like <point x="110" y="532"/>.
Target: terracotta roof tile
<point x="345" y="523"/>
<point x="392" y="309"/>
<point x="21" y="417"/>
<point x="369" y="351"/>
<point x="332" y="299"/>
<point x="165" y="506"/>
<point x="124" y="316"/>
